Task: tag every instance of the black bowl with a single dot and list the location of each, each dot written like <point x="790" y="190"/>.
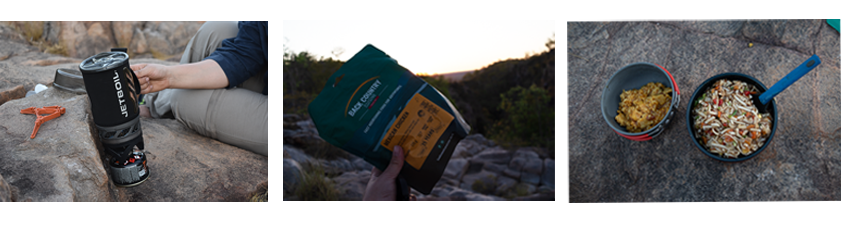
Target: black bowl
<point x="772" y="109"/>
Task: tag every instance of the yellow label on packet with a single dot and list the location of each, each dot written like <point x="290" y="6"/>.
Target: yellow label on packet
<point x="417" y="129"/>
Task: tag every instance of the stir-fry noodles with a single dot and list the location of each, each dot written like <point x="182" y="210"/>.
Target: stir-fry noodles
<point x="726" y="121"/>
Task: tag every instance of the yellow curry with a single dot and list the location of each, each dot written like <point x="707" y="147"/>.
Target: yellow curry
<point x="641" y="109"/>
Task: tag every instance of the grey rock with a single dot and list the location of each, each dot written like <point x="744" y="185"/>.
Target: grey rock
<point x="530" y="188"/>
<point x="441" y="191"/>
<point x="84" y="39"/>
<point x="447" y="182"/>
<point x="288" y="133"/>
<point x="720" y="28"/>
<point x="478" y="137"/>
<point x="417" y="194"/>
<point x="5" y="190"/>
<point x="504" y="183"/>
<point x="337" y="166"/>
<point x="463" y="149"/>
<point x="480" y="140"/>
<point x="455" y="168"/>
<point x="361" y="164"/>
<point x="186" y="166"/>
<point x="8" y="32"/>
<point x="295" y="154"/>
<point x="796" y="34"/>
<point x="526" y="152"/>
<point x="494" y="168"/>
<point x="62" y="162"/>
<point x="521" y="158"/>
<point x="530" y="178"/>
<point x="291" y="175"/>
<point x="458" y="193"/>
<point x="545" y="188"/>
<point x="513" y="173"/>
<point x="480" y="197"/>
<point x="303" y="139"/>
<point x="471" y="148"/>
<point x="482" y="182"/>
<point x="543" y="196"/>
<point x="496" y="155"/>
<point x="95" y="40"/>
<point x="292" y="117"/>
<point x="307" y="126"/>
<point x="351" y="185"/>
<point x="450" y="193"/>
<point x="12" y="94"/>
<point x="534" y="166"/>
<point x="548" y="176"/>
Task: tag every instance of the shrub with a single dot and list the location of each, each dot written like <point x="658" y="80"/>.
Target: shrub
<point x="487" y="188"/>
<point x="262" y="193"/>
<point x="528" y="117"/>
<point x="314" y="186"/>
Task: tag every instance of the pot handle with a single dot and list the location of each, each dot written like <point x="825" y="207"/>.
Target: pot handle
<point x="128" y="69"/>
<point x="789" y="79"/>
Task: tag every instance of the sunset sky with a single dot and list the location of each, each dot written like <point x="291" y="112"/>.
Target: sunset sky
<point x="422" y="46"/>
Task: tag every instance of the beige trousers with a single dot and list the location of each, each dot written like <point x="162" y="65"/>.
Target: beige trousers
<point x="236" y="116"/>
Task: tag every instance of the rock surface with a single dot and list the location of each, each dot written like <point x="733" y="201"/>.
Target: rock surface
<point x="801" y="163"/>
<point x="12" y="94"/>
<point x="62" y="162"/>
<point x="186" y="166"/>
<point x="476" y="172"/>
<point x="82" y="39"/>
<point x="291" y="174"/>
<point x="5" y="190"/>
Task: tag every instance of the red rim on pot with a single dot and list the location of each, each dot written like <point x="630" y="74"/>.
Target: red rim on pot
<point x="634" y="76"/>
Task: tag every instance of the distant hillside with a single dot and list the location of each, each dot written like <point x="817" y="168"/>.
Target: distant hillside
<point x="455" y="76"/>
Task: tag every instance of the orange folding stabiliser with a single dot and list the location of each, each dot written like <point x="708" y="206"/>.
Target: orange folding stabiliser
<point x="52" y="111"/>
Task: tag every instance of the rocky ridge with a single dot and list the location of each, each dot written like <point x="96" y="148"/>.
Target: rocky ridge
<point x="81" y="39"/>
<point x="479" y="170"/>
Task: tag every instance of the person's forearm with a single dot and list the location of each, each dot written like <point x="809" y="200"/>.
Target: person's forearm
<point x="206" y="74"/>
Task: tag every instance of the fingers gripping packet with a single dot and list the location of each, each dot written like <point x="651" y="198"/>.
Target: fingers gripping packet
<point x="372" y="104"/>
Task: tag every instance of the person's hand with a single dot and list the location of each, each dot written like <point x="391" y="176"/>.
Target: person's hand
<point x="382" y="184"/>
<point x="152" y="77"/>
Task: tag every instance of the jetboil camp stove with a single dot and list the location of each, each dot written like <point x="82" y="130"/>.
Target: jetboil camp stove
<point x="113" y="90"/>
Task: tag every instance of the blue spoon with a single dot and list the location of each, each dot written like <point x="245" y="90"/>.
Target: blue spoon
<point x="761" y="101"/>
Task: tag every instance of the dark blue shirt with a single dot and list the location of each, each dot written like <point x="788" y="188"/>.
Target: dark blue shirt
<point x="245" y="55"/>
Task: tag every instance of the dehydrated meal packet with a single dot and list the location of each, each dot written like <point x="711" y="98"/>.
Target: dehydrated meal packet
<point x="372" y="104"/>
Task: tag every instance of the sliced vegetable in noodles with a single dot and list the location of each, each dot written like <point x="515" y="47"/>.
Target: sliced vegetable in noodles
<point x="736" y="128"/>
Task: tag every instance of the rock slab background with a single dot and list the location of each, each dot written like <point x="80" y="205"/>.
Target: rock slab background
<point x="81" y="39"/>
<point x="479" y="170"/>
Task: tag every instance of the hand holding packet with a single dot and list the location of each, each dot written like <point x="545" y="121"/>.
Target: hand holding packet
<point x="372" y="104"/>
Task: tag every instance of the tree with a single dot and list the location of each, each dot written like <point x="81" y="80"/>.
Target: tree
<point x="551" y="43"/>
<point x="338" y="51"/>
<point x="528" y="116"/>
<point x="304" y="76"/>
<point x="440" y="83"/>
